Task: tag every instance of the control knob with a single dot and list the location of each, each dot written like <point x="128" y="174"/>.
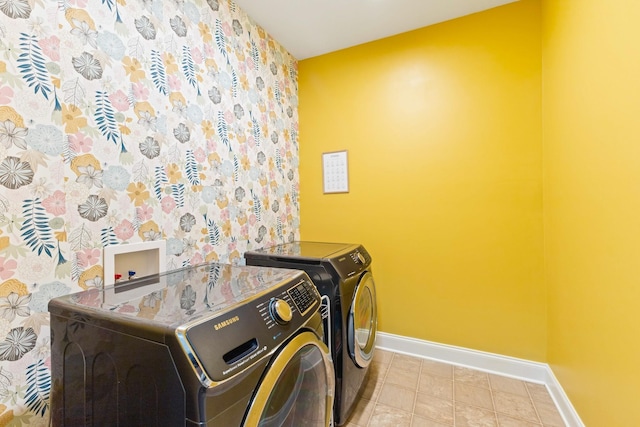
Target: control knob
<point x="280" y="311"/>
<point x="360" y="258"/>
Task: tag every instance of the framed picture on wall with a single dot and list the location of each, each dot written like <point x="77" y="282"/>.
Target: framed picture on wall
<point x="335" y="172"/>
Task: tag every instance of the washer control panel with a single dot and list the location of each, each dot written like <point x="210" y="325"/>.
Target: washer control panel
<point x="251" y="330"/>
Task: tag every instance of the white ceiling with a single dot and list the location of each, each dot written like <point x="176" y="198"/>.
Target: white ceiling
<point x="308" y="28"/>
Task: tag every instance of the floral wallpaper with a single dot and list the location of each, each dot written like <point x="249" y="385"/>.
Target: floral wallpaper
<point x="124" y="121"/>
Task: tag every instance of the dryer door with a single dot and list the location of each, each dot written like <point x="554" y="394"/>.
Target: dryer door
<point x="363" y="322"/>
<point x="297" y="388"/>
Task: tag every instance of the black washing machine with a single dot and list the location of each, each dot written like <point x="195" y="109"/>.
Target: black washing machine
<point x="213" y="345"/>
<point x="342" y="274"/>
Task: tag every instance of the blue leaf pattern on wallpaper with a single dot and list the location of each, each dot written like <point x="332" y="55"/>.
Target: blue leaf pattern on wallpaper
<point x="234" y="83"/>
<point x="38" y="387"/>
<point x="255" y="128"/>
<point x="213" y="232"/>
<point x="188" y="68"/>
<point x="223" y="130"/>
<point x="255" y="55"/>
<point x="177" y="191"/>
<point x="236" y="168"/>
<point x="160" y="179"/>
<point x="35" y="229"/>
<point x="108" y="237"/>
<point x="158" y="73"/>
<point x="191" y="168"/>
<point x="106" y="121"/>
<point x="257" y="206"/>
<point x="113" y="6"/>
<point x="221" y="41"/>
<point x="32" y="66"/>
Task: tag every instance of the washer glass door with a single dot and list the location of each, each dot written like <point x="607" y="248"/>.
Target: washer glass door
<point x="298" y="387"/>
<point x="363" y="322"/>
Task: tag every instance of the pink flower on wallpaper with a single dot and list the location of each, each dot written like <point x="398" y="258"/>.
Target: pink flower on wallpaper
<point x="196" y="259"/>
<point x="224" y="215"/>
<point x="209" y="51"/>
<point x="7" y="268"/>
<point x="119" y="100"/>
<point x="200" y="155"/>
<point x="174" y="82"/>
<point x="88" y="257"/>
<point x="140" y="91"/>
<point x="168" y="204"/>
<point x="80" y="3"/>
<point x="6" y="93"/>
<point x="226" y="28"/>
<point x="144" y="212"/>
<point x="253" y="219"/>
<point x="55" y="203"/>
<point x="211" y="145"/>
<point x="80" y="143"/>
<point x="229" y="117"/>
<point x="51" y="47"/>
<point x="127" y="308"/>
<point x="124" y="230"/>
<point x="196" y="55"/>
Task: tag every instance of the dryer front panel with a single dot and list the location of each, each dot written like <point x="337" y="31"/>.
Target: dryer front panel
<point x="362" y="322"/>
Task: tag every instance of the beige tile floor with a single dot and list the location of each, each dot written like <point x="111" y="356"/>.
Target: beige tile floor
<point x="404" y="391"/>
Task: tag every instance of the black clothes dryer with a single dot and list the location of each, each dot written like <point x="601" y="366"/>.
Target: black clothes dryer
<point x="342" y="274"/>
<point x="213" y="345"/>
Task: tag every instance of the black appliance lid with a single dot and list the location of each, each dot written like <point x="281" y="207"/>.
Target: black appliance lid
<point x="307" y="250"/>
<point x="178" y="297"/>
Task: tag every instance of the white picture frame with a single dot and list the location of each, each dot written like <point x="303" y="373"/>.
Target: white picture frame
<point x="335" y="172"/>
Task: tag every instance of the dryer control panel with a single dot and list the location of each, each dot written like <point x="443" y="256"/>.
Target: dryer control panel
<point x="352" y="262"/>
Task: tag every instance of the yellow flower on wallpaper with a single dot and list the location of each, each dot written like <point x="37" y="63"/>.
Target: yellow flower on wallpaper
<point x="8" y="113"/>
<point x="72" y="118"/>
<point x="173" y="173"/>
<point x="133" y="68"/>
<point x="92" y="278"/>
<point x="124" y="129"/>
<point x="79" y="18"/>
<point x="15" y="286"/>
<point x="170" y="65"/>
<point x="81" y="162"/>
<point x="3" y="67"/>
<point x="207" y="129"/>
<point x="4" y="242"/>
<point x="226" y="228"/>
<point x="205" y="32"/>
<point x="149" y="231"/>
<point x="138" y="193"/>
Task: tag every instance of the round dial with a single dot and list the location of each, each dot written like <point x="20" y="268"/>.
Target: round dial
<point x="280" y="311"/>
<point x="361" y="258"/>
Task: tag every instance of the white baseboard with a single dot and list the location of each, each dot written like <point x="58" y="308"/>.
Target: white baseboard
<point x="494" y="363"/>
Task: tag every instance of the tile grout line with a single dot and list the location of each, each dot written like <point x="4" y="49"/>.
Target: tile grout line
<point x="535" y="408"/>
<point x="377" y="396"/>
<point x="415" y="397"/>
<point x="493" y="400"/>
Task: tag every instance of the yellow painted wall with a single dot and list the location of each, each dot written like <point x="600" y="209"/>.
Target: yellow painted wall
<point x="591" y="56"/>
<point x="443" y="131"/>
